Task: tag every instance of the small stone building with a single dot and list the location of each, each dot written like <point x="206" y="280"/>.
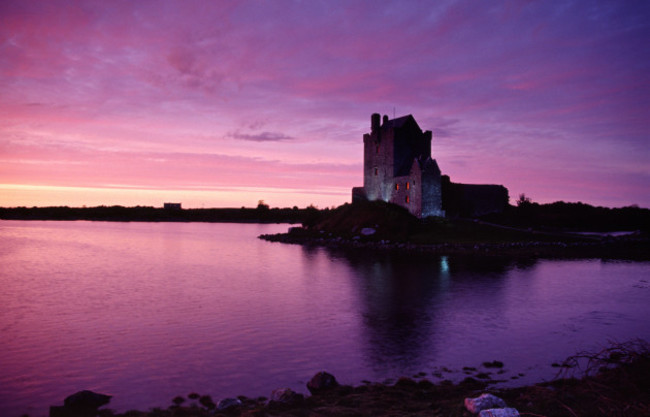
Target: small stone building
<point x="398" y="168"/>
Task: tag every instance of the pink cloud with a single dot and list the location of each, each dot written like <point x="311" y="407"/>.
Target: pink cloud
<point x="160" y="93"/>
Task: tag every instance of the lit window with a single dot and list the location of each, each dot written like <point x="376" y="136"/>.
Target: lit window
<point x="397" y="186"/>
<point x="408" y="186"/>
<point x="407" y="199"/>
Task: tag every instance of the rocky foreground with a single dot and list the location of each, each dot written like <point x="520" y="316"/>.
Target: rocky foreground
<point x="614" y="382"/>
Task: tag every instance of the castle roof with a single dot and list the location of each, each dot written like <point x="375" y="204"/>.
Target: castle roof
<point x="400" y="122"/>
<point x="428" y="164"/>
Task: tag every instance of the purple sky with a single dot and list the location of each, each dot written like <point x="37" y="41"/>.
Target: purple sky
<point x="217" y="103"/>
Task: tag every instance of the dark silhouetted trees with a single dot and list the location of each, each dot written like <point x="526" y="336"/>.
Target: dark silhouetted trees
<point x="573" y="216"/>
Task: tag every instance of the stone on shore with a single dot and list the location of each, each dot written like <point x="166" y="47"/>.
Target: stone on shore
<point x="322" y="381"/>
<point x="227" y="403"/>
<point x="206" y="401"/>
<point x="483" y="402"/>
<point x="286" y="396"/>
<point x="80" y="404"/>
<point x="86" y="399"/>
<point x="499" y="412"/>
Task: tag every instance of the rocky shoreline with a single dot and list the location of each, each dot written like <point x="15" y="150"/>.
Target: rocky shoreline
<point x="627" y="248"/>
<point x="612" y="382"/>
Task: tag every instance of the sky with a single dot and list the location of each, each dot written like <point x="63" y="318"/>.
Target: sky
<point x="225" y="103"/>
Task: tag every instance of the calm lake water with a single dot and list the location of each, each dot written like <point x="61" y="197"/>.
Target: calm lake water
<point x="148" y="311"/>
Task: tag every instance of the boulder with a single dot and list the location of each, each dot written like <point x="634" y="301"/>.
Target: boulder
<point x="80" y="404"/>
<point x="86" y="400"/>
<point x="206" y="401"/>
<point x="286" y="396"/>
<point x="493" y="364"/>
<point x="483" y="402"/>
<point x="322" y="381"/>
<point x="227" y="403"/>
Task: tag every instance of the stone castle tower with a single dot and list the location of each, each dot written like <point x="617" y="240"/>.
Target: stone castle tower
<point x="397" y="167"/>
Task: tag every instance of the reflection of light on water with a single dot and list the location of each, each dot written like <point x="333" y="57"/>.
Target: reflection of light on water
<point x="444" y="266"/>
<point x="444" y="273"/>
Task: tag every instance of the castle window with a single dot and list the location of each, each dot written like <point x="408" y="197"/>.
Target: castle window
<point x="407" y="199"/>
<point x="377" y="149"/>
<point x="408" y="186"/>
<point x="397" y="186"/>
<point x="376" y="171"/>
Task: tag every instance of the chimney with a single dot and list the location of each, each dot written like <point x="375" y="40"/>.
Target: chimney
<point x="374" y="122"/>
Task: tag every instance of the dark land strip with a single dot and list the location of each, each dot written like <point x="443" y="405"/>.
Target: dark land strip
<point x="384" y="227"/>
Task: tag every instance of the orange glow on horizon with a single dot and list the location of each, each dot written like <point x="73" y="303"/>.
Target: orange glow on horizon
<point x="16" y="195"/>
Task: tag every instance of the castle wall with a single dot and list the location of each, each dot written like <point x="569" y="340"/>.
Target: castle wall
<point x="359" y="194"/>
<point x="415" y="192"/>
<point x="473" y="200"/>
<point x="404" y="194"/>
<point x="431" y="194"/>
<point x="420" y="192"/>
<point x="378" y="164"/>
<point x="414" y="144"/>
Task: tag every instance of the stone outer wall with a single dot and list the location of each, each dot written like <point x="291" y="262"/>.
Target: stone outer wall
<point x="432" y="194"/>
<point x="473" y="200"/>
<point x="378" y="164"/>
<point x="359" y="194"/>
<point x="404" y="195"/>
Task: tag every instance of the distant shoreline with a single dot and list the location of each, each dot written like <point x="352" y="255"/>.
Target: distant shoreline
<point x="261" y="214"/>
<point x="341" y="228"/>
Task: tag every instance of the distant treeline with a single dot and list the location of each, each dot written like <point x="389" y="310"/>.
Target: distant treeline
<point x="525" y="214"/>
<point x="262" y="214"/>
<point x="572" y="216"/>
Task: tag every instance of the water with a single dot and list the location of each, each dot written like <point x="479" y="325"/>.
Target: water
<point x="148" y="311"/>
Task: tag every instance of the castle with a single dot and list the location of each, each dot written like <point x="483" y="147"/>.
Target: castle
<point x="398" y="168"/>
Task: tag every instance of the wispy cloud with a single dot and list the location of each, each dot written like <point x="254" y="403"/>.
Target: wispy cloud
<point x="245" y="83"/>
<point x="260" y="137"/>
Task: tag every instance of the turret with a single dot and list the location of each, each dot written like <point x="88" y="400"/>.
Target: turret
<point x="374" y="122"/>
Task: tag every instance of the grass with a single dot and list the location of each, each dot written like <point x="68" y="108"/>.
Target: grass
<point x="396" y="224"/>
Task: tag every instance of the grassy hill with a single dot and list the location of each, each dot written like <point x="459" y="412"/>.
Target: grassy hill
<point x="395" y="223"/>
<point x="381" y="226"/>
